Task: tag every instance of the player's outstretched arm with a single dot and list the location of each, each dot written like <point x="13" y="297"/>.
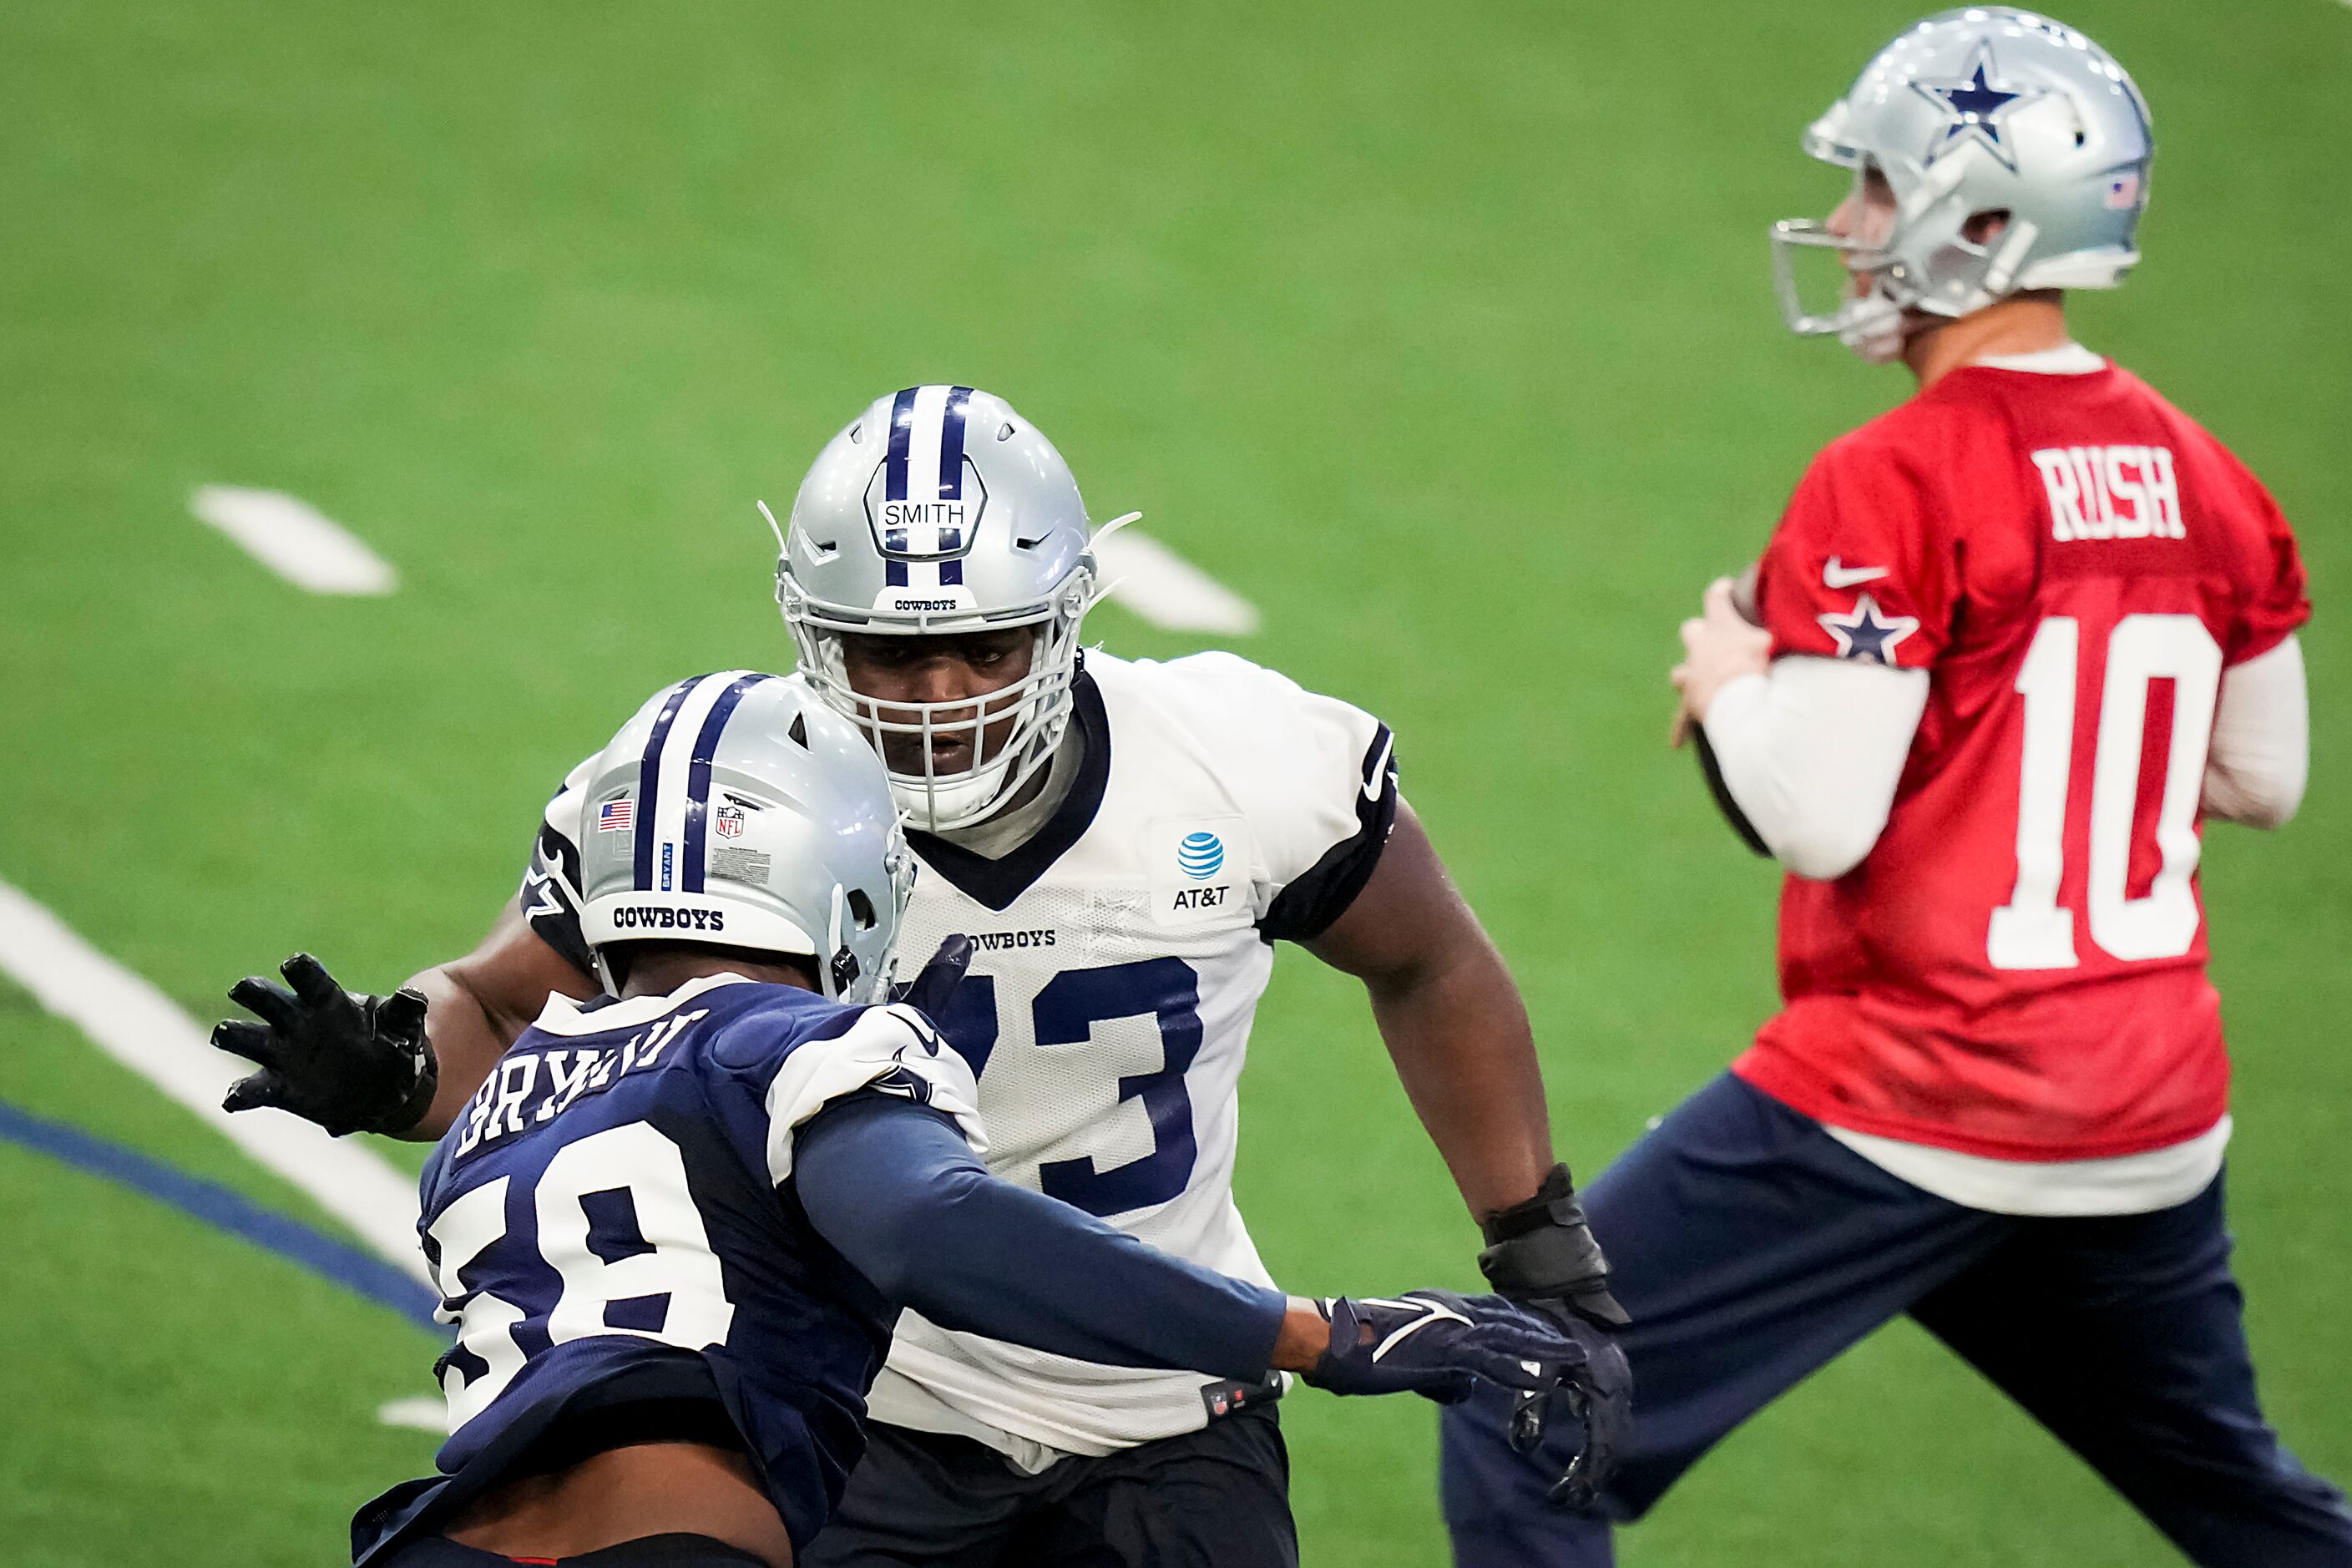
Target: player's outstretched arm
<point x="894" y="1187"/>
<point x="1458" y="1032"/>
<point x="1451" y="1016"/>
<point x="479" y="1004"/>
<point x="404" y="1064"/>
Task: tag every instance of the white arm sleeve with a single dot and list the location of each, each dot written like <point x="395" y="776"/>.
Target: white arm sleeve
<point x="2261" y="758"/>
<point x="1812" y="752"/>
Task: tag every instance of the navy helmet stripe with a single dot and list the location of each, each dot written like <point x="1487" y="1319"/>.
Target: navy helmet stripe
<point x="902" y="431"/>
<point x="698" y="778"/>
<point x="951" y="445"/>
<point x="648" y="781"/>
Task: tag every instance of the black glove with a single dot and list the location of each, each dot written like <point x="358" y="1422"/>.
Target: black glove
<point x="1542" y="1253"/>
<point x="352" y="1064"/>
<point x="928" y="992"/>
<point x="1438" y="1343"/>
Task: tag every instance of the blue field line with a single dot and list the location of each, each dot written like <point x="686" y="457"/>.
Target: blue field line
<point x="360" y="1272"/>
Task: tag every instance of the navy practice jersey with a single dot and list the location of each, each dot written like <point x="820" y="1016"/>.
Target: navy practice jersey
<point x="1122" y="951"/>
<point x="610" y="1223"/>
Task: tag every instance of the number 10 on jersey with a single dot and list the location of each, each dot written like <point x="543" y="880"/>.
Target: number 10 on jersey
<point x="2033" y="930"/>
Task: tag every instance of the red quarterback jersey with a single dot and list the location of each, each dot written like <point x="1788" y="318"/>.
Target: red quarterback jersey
<point x="2017" y="970"/>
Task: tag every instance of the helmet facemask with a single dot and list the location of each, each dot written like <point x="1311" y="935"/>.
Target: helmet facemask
<point x="1012" y="731"/>
<point x="1923" y="264"/>
<point x="1866" y="315"/>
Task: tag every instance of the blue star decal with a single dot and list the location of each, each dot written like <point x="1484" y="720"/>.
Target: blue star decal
<point x="1975" y="106"/>
<point x="1867" y="633"/>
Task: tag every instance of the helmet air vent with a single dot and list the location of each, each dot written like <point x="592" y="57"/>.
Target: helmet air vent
<point x="799" y="731"/>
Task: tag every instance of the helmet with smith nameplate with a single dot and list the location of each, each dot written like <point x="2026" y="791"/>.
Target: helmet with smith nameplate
<point x="938" y="511"/>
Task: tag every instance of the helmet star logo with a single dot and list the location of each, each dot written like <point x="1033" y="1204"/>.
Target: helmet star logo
<point x="1975" y="108"/>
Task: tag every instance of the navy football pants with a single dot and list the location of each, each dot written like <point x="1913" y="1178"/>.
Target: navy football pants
<point x="1750" y="1248"/>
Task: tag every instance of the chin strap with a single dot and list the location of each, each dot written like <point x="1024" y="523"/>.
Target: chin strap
<point x="840" y="972"/>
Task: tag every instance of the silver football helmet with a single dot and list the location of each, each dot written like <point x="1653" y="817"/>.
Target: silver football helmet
<point x="941" y="510"/>
<point x="739" y="810"/>
<point x="1978" y="110"/>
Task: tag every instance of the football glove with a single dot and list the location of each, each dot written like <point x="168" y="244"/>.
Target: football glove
<point x="350" y="1063"/>
<point x="1437" y="1343"/>
<point x="1541" y="1254"/>
<point x="935" y="983"/>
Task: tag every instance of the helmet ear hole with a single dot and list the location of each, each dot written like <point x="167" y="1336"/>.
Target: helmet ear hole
<point x="863" y="907"/>
<point x="1984" y="227"/>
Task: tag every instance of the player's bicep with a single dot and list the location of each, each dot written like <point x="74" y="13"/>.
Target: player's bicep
<point x="1407" y="914"/>
<point x="516" y="969"/>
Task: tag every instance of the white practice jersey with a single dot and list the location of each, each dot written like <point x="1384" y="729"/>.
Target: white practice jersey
<point x="1121" y="952"/>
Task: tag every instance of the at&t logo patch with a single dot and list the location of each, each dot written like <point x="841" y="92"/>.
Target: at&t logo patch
<point x="1200" y="854"/>
<point x="1198" y="868"/>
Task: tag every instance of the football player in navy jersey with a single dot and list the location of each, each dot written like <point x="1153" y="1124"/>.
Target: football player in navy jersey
<point x="673" y="1225"/>
<point x="1125" y="842"/>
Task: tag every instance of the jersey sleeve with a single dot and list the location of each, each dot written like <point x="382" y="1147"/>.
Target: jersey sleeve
<point x="1857" y="568"/>
<point x="888" y="1050"/>
<point x="551" y="888"/>
<point x="1316" y="778"/>
<point x="2279" y="601"/>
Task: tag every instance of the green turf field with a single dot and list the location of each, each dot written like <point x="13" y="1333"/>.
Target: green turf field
<point x="1442" y="334"/>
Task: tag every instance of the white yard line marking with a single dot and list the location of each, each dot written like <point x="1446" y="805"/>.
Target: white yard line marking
<point x="1168" y="590"/>
<point x="295" y="540"/>
<point x="147" y="1032"/>
<point x="425" y="1412"/>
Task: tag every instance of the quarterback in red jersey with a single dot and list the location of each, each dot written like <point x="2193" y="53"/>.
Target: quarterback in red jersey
<point x="2016" y="968"/>
<point x="2011" y="645"/>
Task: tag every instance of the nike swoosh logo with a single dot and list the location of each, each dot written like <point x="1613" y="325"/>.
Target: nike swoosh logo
<point x="1379" y="779"/>
<point x="1838" y="576"/>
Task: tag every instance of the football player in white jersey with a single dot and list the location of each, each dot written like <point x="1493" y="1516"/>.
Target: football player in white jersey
<point x="1123" y="842"/>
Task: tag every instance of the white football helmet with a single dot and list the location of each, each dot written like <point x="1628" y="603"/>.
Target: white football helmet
<point x="941" y="510"/>
<point x="736" y="810"/>
<point x="1985" y="110"/>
